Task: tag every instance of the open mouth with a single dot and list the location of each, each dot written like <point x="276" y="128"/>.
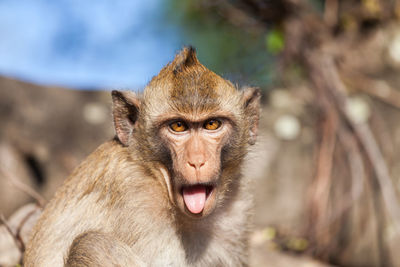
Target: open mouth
<point x="195" y="196"/>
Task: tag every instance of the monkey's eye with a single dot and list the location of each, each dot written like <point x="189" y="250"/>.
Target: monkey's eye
<point x="212" y="124"/>
<point x="178" y="126"/>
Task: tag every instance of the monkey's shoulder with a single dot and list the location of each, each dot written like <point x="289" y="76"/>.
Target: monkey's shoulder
<point x="108" y="158"/>
<point x="100" y="176"/>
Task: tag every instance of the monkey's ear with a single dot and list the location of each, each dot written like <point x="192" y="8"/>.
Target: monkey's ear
<point x="251" y="101"/>
<point x="125" y="112"/>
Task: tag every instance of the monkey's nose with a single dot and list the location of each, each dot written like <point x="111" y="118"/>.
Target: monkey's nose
<point x="196" y="164"/>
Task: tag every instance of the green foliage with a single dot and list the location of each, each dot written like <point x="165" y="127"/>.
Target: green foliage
<point x="297" y="244"/>
<point x="275" y="41"/>
<point x="236" y="53"/>
<point x="318" y="5"/>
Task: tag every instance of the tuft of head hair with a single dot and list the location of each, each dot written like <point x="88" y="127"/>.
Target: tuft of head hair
<point x="186" y="58"/>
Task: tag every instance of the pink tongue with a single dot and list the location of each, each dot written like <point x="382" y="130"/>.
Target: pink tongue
<point x="195" y="198"/>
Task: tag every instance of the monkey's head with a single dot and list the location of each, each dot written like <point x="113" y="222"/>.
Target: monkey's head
<point x="195" y="126"/>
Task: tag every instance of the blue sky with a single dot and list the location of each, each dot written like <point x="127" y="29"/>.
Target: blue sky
<point x="85" y="43"/>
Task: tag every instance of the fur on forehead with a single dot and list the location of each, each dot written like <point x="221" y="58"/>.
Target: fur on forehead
<point x="186" y="86"/>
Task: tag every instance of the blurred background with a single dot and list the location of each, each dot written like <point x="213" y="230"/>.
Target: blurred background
<point x="326" y="178"/>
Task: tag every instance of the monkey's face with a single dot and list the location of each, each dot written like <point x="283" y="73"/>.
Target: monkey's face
<point x="196" y="124"/>
<point x="195" y="146"/>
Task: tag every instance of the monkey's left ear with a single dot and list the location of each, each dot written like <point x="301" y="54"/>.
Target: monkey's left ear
<point x="125" y="112"/>
<point x="251" y="100"/>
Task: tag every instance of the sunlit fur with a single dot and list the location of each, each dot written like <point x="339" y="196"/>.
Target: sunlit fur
<point x="117" y="207"/>
<point x="190" y="90"/>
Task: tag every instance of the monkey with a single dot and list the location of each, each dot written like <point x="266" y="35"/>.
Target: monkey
<point x="168" y="189"/>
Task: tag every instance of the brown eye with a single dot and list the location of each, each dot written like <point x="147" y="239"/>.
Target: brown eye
<point x="212" y="124"/>
<point x="178" y="126"/>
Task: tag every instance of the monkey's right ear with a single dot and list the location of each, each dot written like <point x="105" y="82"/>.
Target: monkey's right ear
<point x="125" y="112"/>
<point x="251" y="100"/>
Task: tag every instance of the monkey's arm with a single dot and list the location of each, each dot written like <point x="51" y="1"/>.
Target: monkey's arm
<point x="100" y="249"/>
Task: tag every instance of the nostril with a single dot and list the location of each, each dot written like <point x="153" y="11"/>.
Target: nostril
<point x="196" y="165"/>
<point x="191" y="165"/>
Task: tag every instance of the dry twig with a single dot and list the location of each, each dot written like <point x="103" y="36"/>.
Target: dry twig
<point x="18" y="241"/>
<point x="23" y="187"/>
<point x="378" y="89"/>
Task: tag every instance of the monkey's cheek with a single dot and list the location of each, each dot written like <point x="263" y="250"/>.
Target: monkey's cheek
<point x="210" y="202"/>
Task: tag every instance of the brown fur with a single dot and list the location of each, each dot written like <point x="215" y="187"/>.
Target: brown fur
<point x="123" y="206"/>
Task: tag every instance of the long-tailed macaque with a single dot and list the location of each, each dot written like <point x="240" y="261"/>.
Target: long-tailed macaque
<point x="167" y="191"/>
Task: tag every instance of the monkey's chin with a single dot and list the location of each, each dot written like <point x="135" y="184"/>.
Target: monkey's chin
<point x="197" y="200"/>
